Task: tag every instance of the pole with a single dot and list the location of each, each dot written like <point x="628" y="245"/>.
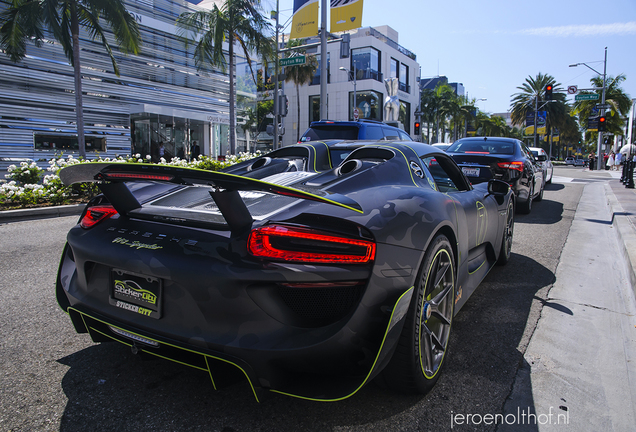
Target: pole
<point x="355" y="91"/>
<point x="276" y="107"/>
<point x="536" y="109"/>
<point x="323" y="60"/>
<point x="599" y="156"/>
<point x="631" y="126"/>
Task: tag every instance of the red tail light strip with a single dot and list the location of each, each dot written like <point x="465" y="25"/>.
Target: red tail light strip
<point x="515" y="165"/>
<point x="261" y="244"/>
<point x="96" y="214"/>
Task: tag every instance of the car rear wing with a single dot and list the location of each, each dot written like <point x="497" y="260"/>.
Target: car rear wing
<point x="224" y="187"/>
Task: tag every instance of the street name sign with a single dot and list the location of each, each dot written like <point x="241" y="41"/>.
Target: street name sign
<point x="586" y="97"/>
<point x="603" y="106"/>
<point x="293" y="61"/>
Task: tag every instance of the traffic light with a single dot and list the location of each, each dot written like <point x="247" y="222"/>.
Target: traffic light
<point x="283" y="105"/>
<point x="548" y="92"/>
<point x="417" y="128"/>
<point x="602" y="122"/>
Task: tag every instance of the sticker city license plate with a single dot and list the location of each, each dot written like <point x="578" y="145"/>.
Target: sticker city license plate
<point x="136" y="293"/>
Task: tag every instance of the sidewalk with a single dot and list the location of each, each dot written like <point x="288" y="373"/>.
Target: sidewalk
<point x="579" y="370"/>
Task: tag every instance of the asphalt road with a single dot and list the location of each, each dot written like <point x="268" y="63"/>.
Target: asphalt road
<point x="54" y="379"/>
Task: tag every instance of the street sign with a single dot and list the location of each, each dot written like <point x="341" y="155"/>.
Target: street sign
<point x="586" y="97"/>
<point x="573" y="89"/>
<point x="293" y="61"/>
<point x="356" y="114"/>
<point x="603" y="106"/>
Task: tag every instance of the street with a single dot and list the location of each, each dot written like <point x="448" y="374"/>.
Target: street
<point x="55" y="379"/>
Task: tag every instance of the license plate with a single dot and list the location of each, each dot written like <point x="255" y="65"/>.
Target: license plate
<point x="136" y="293"/>
<point x="470" y="172"/>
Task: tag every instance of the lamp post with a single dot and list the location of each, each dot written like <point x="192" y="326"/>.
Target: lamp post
<point x="352" y="76"/>
<point x="599" y="157"/>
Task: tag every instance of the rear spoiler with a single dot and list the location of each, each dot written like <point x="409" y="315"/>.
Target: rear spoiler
<point x="112" y="176"/>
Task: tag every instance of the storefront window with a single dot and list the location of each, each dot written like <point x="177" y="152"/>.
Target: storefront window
<point x="404" y="78"/>
<point x="369" y="105"/>
<point x="367" y="63"/>
<point x="160" y="136"/>
<point x="68" y="142"/>
<point x="314" y="108"/>
<point x="394" y="68"/>
<point x="316" y="78"/>
<point x="405" y="116"/>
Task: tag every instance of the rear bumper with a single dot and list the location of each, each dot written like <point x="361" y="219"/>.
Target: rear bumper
<point x="324" y="363"/>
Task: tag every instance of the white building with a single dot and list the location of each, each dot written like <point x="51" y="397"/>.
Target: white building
<point x="375" y="55"/>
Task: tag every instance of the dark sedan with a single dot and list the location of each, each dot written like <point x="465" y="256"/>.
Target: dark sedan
<point x="507" y="159"/>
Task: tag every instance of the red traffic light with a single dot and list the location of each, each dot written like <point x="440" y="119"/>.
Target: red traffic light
<point x="548" y="92"/>
<point x="417" y="128"/>
<point x="602" y="122"/>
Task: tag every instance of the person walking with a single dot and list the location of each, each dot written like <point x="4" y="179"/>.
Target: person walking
<point x="609" y="164"/>
<point x="617" y="161"/>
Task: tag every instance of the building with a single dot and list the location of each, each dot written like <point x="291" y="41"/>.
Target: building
<point x="375" y="55"/>
<point x="160" y="98"/>
<point x="431" y="83"/>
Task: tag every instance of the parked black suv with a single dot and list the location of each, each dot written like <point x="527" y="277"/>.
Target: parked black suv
<point x="353" y="130"/>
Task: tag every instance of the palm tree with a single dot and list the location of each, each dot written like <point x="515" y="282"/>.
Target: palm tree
<point x="237" y="21"/>
<point x="532" y="95"/>
<point x="619" y="102"/>
<point x="28" y="20"/>
<point x="300" y="75"/>
<point x="428" y="102"/>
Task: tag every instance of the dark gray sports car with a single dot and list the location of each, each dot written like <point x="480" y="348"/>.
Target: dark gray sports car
<point x="313" y="269"/>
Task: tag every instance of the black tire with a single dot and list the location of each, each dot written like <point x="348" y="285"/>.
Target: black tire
<point x="540" y="196"/>
<point x="525" y="207"/>
<point x="423" y="343"/>
<point x="506" y="241"/>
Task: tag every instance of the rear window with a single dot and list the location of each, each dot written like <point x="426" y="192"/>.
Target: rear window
<point x="321" y="133"/>
<point x="483" y="147"/>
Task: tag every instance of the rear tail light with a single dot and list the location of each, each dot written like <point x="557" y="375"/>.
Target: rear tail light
<point x="515" y="165"/>
<point x="294" y="244"/>
<point x="96" y="214"/>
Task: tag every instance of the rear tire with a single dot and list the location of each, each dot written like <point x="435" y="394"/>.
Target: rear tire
<point x="506" y="241"/>
<point x="526" y="206"/>
<point x="423" y="343"/>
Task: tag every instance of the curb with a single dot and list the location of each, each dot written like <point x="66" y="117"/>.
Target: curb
<point x="626" y="232"/>
<point x="40" y="213"/>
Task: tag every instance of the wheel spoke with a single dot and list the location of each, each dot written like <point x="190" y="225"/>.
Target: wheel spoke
<point x="440" y="272"/>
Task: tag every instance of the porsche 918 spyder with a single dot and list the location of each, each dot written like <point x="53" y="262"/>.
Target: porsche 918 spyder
<point x="313" y="269"/>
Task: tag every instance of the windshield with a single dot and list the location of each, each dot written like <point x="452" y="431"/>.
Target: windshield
<point x="327" y="132"/>
<point x="482" y="147"/>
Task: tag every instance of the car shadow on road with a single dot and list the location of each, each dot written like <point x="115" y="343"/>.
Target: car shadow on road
<point x="110" y="388"/>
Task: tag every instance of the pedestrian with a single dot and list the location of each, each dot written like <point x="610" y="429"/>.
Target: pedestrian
<point x="591" y="159"/>
<point x="609" y="164"/>
<point x="617" y="161"/>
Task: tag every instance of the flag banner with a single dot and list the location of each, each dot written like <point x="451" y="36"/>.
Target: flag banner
<point x="346" y="15"/>
<point x="305" y="21"/>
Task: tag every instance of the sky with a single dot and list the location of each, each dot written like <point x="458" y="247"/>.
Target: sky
<point x="493" y="46"/>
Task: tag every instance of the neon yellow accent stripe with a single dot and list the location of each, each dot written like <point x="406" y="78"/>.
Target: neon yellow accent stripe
<point x="477" y="269"/>
<point x="405" y="159"/>
<point x="168" y="344"/>
<point x="372" y="366"/>
<point x="428" y="274"/>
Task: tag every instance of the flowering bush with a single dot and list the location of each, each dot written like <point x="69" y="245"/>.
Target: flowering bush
<point x="25" y="189"/>
<point x="26" y="173"/>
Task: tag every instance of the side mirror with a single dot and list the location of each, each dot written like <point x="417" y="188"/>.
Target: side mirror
<point x="542" y="158"/>
<point x="498" y="187"/>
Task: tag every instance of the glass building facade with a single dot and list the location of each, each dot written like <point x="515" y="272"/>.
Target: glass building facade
<point x="160" y="103"/>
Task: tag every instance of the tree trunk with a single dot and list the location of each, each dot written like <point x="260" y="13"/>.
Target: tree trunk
<point x="232" y="96"/>
<point x="79" y="106"/>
